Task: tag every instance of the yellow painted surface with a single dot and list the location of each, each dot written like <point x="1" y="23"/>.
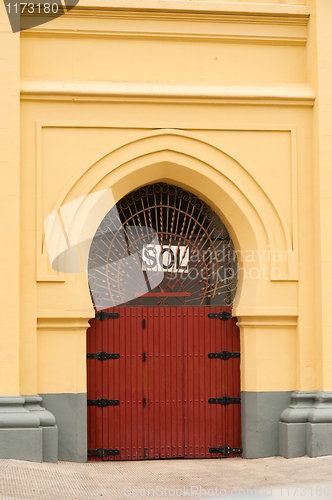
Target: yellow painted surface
<point x="268" y="358"/>
<point x="9" y="208"/>
<point x="233" y="104"/>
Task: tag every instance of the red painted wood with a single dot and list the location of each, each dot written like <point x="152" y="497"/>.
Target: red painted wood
<point x="177" y="378"/>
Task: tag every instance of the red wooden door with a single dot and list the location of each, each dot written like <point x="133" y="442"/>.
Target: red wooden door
<point x="160" y="389"/>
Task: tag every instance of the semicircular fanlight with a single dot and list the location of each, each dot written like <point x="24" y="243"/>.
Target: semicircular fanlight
<point x="162" y="245"/>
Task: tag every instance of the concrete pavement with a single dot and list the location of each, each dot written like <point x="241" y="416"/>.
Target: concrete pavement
<point x="278" y="477"/>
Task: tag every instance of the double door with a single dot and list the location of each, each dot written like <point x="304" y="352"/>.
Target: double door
<point x="163" y="382"/>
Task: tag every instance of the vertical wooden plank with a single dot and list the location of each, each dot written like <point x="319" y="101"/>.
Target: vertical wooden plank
<point x="114" y="372"/>
<point x="196" y="385"/>
<point x="202" y="356"/>
<point x="127" y="379"/>
<point x="169" y="383"/>
<point x="147" y="415"/>
<point x="179" y="343"/>
<point x="135" y="396"/>
<point x="162" y="384"/>
<point x="214" y="436"/>
<point x="140" y="385"/>
<point x="190" y="384"/>
<point x="99" y="386"/>
<point x="106" y="327"/>
<point x="154" y="383"/>
<point x="209" y="347"/>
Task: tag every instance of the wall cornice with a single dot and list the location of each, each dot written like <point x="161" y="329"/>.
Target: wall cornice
<point x="150" y="7"/>
<point x="206" y="37"/>
<point x="180" y="20"/>
<point x="38" y="89"/>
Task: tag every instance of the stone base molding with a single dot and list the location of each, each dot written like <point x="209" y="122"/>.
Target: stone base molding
<point x="306" y="425"/>
<point x="48" y="425"/>
<point x="319" y="427"/>
<point x="27" y="431"/>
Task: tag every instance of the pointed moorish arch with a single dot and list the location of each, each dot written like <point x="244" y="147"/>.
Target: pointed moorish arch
<point x="252" y="216"/>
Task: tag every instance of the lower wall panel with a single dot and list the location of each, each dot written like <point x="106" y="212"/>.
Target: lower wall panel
<point x="70" y="411"/>
<point x="260" y="422"/>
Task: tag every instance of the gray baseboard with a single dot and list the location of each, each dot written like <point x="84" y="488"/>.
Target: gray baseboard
<point x="260" y="422"/>
<point x="70" y="411"/>
<point x="22" y="444"/>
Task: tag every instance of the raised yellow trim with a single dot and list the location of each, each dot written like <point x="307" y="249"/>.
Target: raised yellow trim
<point x="264" y="321"/>
<point x="193" y="37"/>
<point x="64" y="323"/>
<point x="64" y="89"/>
<point x="149" y="7"/>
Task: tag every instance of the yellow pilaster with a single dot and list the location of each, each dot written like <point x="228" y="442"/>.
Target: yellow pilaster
<point x="9" y="206"/>
<point x="320" y="74"/>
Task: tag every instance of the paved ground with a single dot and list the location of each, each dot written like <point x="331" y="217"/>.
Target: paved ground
<point x="277" y="477"/>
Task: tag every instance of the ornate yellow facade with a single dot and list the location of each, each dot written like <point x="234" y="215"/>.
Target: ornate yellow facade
<point x="230" y="100"/>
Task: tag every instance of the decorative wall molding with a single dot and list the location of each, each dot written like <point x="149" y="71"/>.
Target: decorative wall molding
<point x="43" y="89"/>
<point x="193" y="37"/>
<point x="265" y="320"/>
<point x="290" y="238"/>
<point x="186" y="21"/>
<point x="150" y="7"/>
<point x="56" y="322"/>
<point x="298" y="410"/>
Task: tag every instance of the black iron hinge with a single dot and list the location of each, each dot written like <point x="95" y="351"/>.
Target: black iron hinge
<point x="224" y="315"/>
<point x="102" y="452"/>
<point x="102" y="355"/>
<point x="102" y="315"/>
<point x="223" y="355"/>
<point x="224" y="401"/>
<point x="102" y="402"/>
<point x="225" y="450"/>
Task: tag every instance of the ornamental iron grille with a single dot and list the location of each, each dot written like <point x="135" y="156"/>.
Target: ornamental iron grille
<point x="162" y="245"/>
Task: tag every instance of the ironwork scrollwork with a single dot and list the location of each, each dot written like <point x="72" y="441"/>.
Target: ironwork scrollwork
<point x="180" y="220"/>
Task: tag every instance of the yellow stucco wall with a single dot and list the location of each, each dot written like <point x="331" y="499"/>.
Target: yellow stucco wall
<point x="227" y="99"/>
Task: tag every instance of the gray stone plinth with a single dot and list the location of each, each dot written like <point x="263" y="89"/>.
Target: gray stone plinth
<point x="293" y="425"/>
<point x="292" y="439"/>
<point x="319" y="427"/>
<point x="32" y="403"/>
<point x="319" y="439"/>
<point x="13" y="413"/>
<point x="298" y="410"/>
<point x="21" y="444"/>
<point x="49" y="429"/>
<point x="20" y="434"/>
<point x="50" y="444"/>
<point x="321" y="412"/>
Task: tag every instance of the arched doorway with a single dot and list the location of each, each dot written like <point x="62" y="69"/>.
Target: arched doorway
<point x="163" y="351"/>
